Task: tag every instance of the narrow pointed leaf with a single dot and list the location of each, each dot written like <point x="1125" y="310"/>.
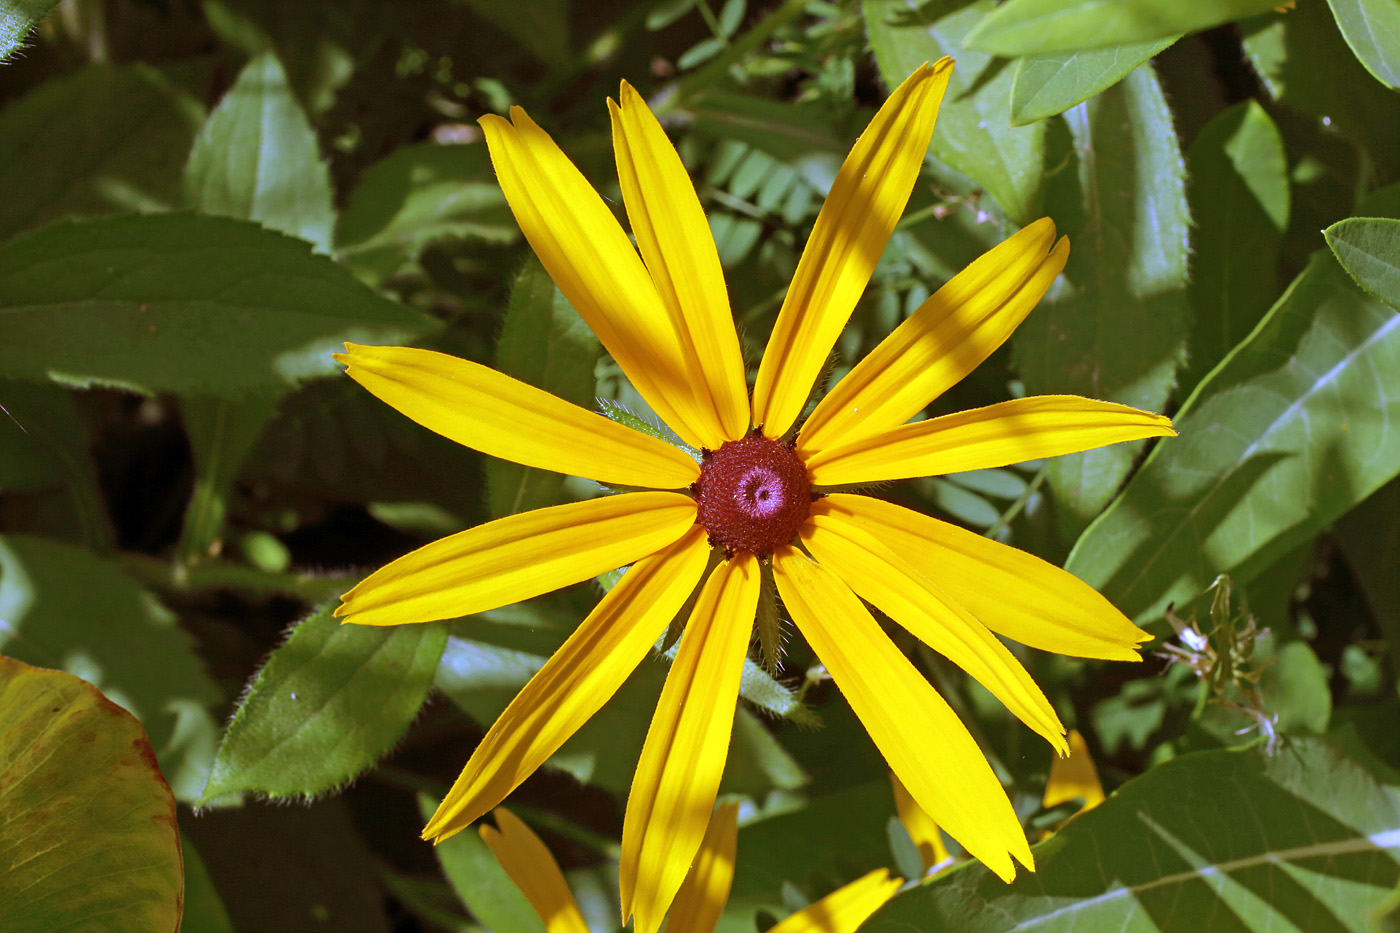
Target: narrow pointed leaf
<point x="1369" y="249"/>
<point x="1049" y="84"/>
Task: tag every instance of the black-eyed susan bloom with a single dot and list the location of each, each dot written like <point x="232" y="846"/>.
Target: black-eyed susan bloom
<point x="756" y="496"/>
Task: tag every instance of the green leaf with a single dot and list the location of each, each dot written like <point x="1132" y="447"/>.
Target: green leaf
<point x="542" y="26"/>
<point x="1119" y="332"/>
<point x="480" y="881"/>
<point x="89" y="828"/>
<point x="545" y="343"/>
<point x="124" y="135"/>
<point x="1238" y="194"/>
<point x="1369" y="249"/>
<point x="330" y="701"/>
<point x="17" y="17"/>
<point x="1369" y="537"/>
<point x="1305" y="839"/>
<point x="1295" y="689"/>
<point x="973" y="133"/>
<point x="181" y="303"/>
<point x="61" y="607"/>
<point x="1051" y="84"/>
<point x="1372" y="29"/>
<point x="204" y="910"/>
<point x="1040" y="27"/>
<point x="420" y="195"/>
<point x="1296" y="426"/>
<point x="257" y="159"/>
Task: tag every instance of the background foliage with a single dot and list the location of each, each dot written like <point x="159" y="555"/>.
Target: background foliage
<point x="200" y="200"/>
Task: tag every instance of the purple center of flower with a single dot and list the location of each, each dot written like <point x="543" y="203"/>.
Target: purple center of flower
<point x="753" y="494"/>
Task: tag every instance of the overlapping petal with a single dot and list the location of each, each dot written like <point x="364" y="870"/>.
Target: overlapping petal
<point x="504" y="417"/>
<point x="944" y="340"/>
<point x="702" y="896"/>
<point x="1009" y="591"/>
<point x="680" y="254"/>
<point x="535" y="872"/>
<point x="920" y="737"/>
<point x="865" y="202"/>
<point x="845" y="909"/>
<point x="883" y="578"/>
<point x="669" y="806"/>
<point x="922" y="829"/>
<point x="1008" y="432"/>
<point x="1074" y="777"/>
<point x="590" y="258"/>
<point x="575" y="682"/>
<point x="518" y="557"/>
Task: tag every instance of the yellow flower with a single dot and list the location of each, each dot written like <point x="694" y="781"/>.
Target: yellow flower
<point x="757" y="497"/>
<point x="1073" y="777"/>
<point x="702" y="895"/>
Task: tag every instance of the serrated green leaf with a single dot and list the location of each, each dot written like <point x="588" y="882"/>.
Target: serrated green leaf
<point x="1372" y="29"/>
<point x="973" y="134"/>
<point x="545" y="343"/>
<point x="181" y="303"/>
<point x="1118" y="333"/>
<point x="1051" y="84"/>
<point x="420" y="195"/>
<point x="124" y="134"/>
<point x="257" y="159"/>
<point x="1239" y="195"/>
<point x="1040" y="27"/>
<point x="89" y="828"/>
<point x="1369" y="249"/>
<point x="1295" y="427"/>
<point x="329" y="702"/>
<point x="1305" y="839"/>
<point x="17" y="17"/>
<point x="62" y="607"/>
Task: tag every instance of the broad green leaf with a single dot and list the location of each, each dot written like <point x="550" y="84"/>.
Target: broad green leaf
<point x="1372" y="29"/>
<point x="1239" y="195"/>
<point x="123" y="133"/>
<point x="64" y="608"/>
<point x="1040" y="27"/>
<point x="257" y="159"/>
<point x="181" y="303"/>
<point x="329" y="702"/>
<point x="1292" y="429"/>
<point x="89" y="827"/>
<point x="1305" y="839"/>
<point x="1117" y="331"/>
<point x="1369" y="249"/>
<point x="480" y="881"/>
<point x="419" y="195"/>
<point x="1051" y="84"/>
<point x="221" y="433"/>
<point x="545" y="343"/>
<point x="17" y="17"/>
<point x="973" y="134"/>
<point x="1305" y="63"/>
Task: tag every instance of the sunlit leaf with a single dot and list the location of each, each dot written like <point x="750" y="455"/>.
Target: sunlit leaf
<point x="1369" y="249"/>
<point x="1051" y="84"/>
<point x="17" y="17"/>
<point x="1372" y="29"/>
<point x="1039" y="27"/>
<point x="327" y="704"/>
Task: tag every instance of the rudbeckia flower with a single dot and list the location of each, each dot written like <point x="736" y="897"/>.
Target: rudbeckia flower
<point x="702" y="895"/>
<point x="759" y="494"/>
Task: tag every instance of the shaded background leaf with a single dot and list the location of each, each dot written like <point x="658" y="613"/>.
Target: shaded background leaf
<point x="1038" y="27"/>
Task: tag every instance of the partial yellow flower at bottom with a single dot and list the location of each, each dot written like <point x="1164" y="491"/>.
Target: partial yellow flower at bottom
<point x="761" y="496"/>
<point x="702" y="895"/>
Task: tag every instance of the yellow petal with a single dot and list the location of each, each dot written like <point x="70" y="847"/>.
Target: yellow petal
<point x="850" y="234"/>
<point x="504" y="417"/>
<point x="534" y="871"/>
<point x="683" y="758"/>
<point x="1011" y="592"/>
<point x="701" y="898"/>
<point x="919" y="825"/>
<point x="920" y="737"/>
<point x="680" y="254"/>
<point x="997" y="435"/>
<point x="1074" y="777"/>
<point x="518" y="557"/>
<point x="585" y="251"/>
<point x="845" y="909"/>
<point x="881" y="577"/>
<point x="573" y="684"/>
<point x="944" y="340"/>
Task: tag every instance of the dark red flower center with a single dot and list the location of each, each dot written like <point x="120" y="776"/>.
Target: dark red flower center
<point x="753" y="494"/>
